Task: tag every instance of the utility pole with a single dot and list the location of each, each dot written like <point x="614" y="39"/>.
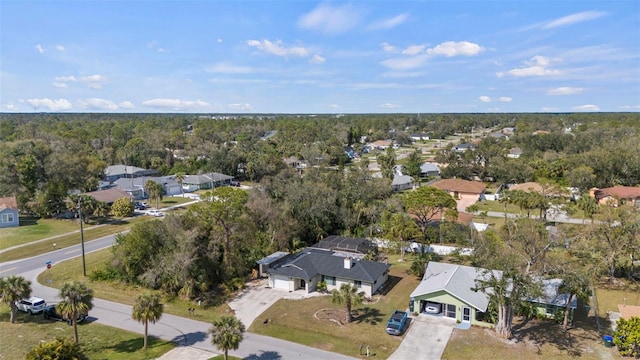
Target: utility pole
<point x="84" y="267"/>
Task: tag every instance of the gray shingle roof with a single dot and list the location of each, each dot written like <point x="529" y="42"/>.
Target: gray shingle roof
<point x="311" y="262"/>
<point x="457" y="280"/>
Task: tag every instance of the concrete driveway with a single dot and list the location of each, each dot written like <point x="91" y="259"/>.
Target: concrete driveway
<point x="426" y="338"/>
<point x="254" y="300"/>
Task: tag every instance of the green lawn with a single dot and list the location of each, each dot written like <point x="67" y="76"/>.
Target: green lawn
<point x="120" y="292"/>
<point x="98" y="341"/>
<point x="90" y="233"/>
<point x="609" y="297"/>
<point x="32" y="229"/>
<point x="300" y="320"/>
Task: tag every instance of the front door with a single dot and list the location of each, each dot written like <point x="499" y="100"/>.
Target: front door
<point x="302" y="284"/>
<point x="466" y="314"/>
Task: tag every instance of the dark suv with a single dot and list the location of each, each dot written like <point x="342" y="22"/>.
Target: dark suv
<point x="51" y="313"/>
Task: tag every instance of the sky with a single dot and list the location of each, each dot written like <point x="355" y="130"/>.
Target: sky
<point x="320" y="57"/>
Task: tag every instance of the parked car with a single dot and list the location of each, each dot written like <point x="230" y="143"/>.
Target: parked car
<point x="235" y="183"/>
<point x="397" y="322"/>
<point x="433" y="308"/>
<point x="31" y="305"/>
<point x="51" y="313"/>
<point x="156" y="213"/>
<point x="140" y="206"/>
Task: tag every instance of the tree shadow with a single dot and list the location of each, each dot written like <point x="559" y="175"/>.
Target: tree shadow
<point x="189" y="338"/>
<point x="265" y="355"/>
<point x="368" y="315"/>
<point x="134" y="345"/>
<point x="391" y="282"/>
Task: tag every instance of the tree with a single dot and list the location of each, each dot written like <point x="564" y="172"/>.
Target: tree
<point x="387" y="162"/>
<point x="77" y="299"/>
<point x="12" y="289"/>
<point x="426" y="203"/>
<point x="180" y="176"/>
<point x="155" y="191"/>
<point x="349" y="295"/>
<point x="588" y="205"/>
<point x="227" y="334"/>
<point x="147" y="309"/>
<point x="61" y="348"/>
<point x="399" y="227"/>
<point x="122" y="207"/>
<point x="576" y="284"/>
<point x="627" y="336"/>
<point x="412" y="166"/>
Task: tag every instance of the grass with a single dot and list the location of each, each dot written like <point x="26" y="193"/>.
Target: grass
<point x="120" y="292"/>
<point x="295" y="320"/>
<point x="32" y="229"/>
<point x="97" y="341"/>
<point x="90" y="233"/>
<point x="610" y="296"/>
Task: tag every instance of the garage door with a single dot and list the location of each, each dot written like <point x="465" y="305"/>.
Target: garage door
<point x="281" y="282"/>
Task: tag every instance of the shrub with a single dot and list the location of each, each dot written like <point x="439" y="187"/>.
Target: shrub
<point x="60" y="348"/>
<point x="322" y="287"/>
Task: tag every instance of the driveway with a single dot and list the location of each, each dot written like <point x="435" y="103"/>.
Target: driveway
<point x="254" y="300"/>
<point x="426" y="338"/>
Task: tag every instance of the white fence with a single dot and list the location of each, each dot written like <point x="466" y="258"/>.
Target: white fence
<point x="417" y="247"/>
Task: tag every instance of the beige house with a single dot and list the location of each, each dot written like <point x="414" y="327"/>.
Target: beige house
<point x="617" y="195"/>
<point x="465" y="192"/>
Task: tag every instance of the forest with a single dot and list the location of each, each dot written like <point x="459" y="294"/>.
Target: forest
<point x="44" y="157"/>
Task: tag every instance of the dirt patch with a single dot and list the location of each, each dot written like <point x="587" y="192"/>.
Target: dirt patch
<point x="334" y="315"/>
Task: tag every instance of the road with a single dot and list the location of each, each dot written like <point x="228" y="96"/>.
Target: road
<point x="184" y="331"/>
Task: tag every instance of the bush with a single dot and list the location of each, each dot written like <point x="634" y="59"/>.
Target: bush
<point x="61" y="348"/>
<point x="122" y="207"/>
<point x="322" y="287"/>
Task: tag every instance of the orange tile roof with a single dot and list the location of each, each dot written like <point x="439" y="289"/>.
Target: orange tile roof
<point x="9" y="203"/>
<point x="620" y="192"/>
<point x="459" y="185"/>
<point x="527" y="187"/>
<point x="628" y="311"/>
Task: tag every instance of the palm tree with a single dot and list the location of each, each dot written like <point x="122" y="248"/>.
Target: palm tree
<point x="348" y="295"/>
<point x="77" y="299"/>
<point x="147" y="309"/>
<point x="226" y="334"/>
<point x="13" y="289"/>
<point x="180" y="178"/>
<point x="155" y="190"/>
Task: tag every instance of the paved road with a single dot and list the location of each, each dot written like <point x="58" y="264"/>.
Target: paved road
<point x="184" y="331"/>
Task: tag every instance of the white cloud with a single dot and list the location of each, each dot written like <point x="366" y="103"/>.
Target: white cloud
<point x="413" y="50"/>
<point x="574" y="19"/>
<point x="126" y="105"/>
<point x="240" y="106"/>
<point x="93" y="81"/>
<point x="161" y="50"/>
<point x="629" y="107"/>
<point x="317" y="59"/>
<point x="505" y="99"/>
<point x="227" y="68"/>
<point x="565" y="90"/>
<point x="389" y="23"/>
<point x="453" y="48"/>
<point x="65" y="78"/>
<point x="276" y="48"/>
<point x="175" y="104"/>
<point x="59" y="47"/>
<point x="98" y="104"/>
<point x="60" y="85"/>
<point x="53" y="105"/>
<point x="219" y="40"/>
<point x="389" y="106"/>
<point x="537" y="66"/>
<point x="331" y="19"/>
<point x="587" y="107"/>
<point x="484" y="99"/>
<point x="334" y="106"/>
<point x="405" y="63"/>
<point x="39" y="48"/>
<point x="549" y="109"/>
<point x="9" y="107"/>
<point x="388" y="47"/>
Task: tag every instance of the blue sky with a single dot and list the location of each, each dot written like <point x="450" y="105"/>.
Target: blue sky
<point x="320" y="57"/>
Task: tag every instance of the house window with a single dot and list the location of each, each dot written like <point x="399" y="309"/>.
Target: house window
<point x="451" y="311"/>
<point x="7" y="218"/>
<point x="357" y="283"/>
<point x="330" y="280"/>
<point x="550" y="309"/>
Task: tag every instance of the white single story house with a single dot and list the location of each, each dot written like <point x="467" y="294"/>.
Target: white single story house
<point x="304" y="270"/>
